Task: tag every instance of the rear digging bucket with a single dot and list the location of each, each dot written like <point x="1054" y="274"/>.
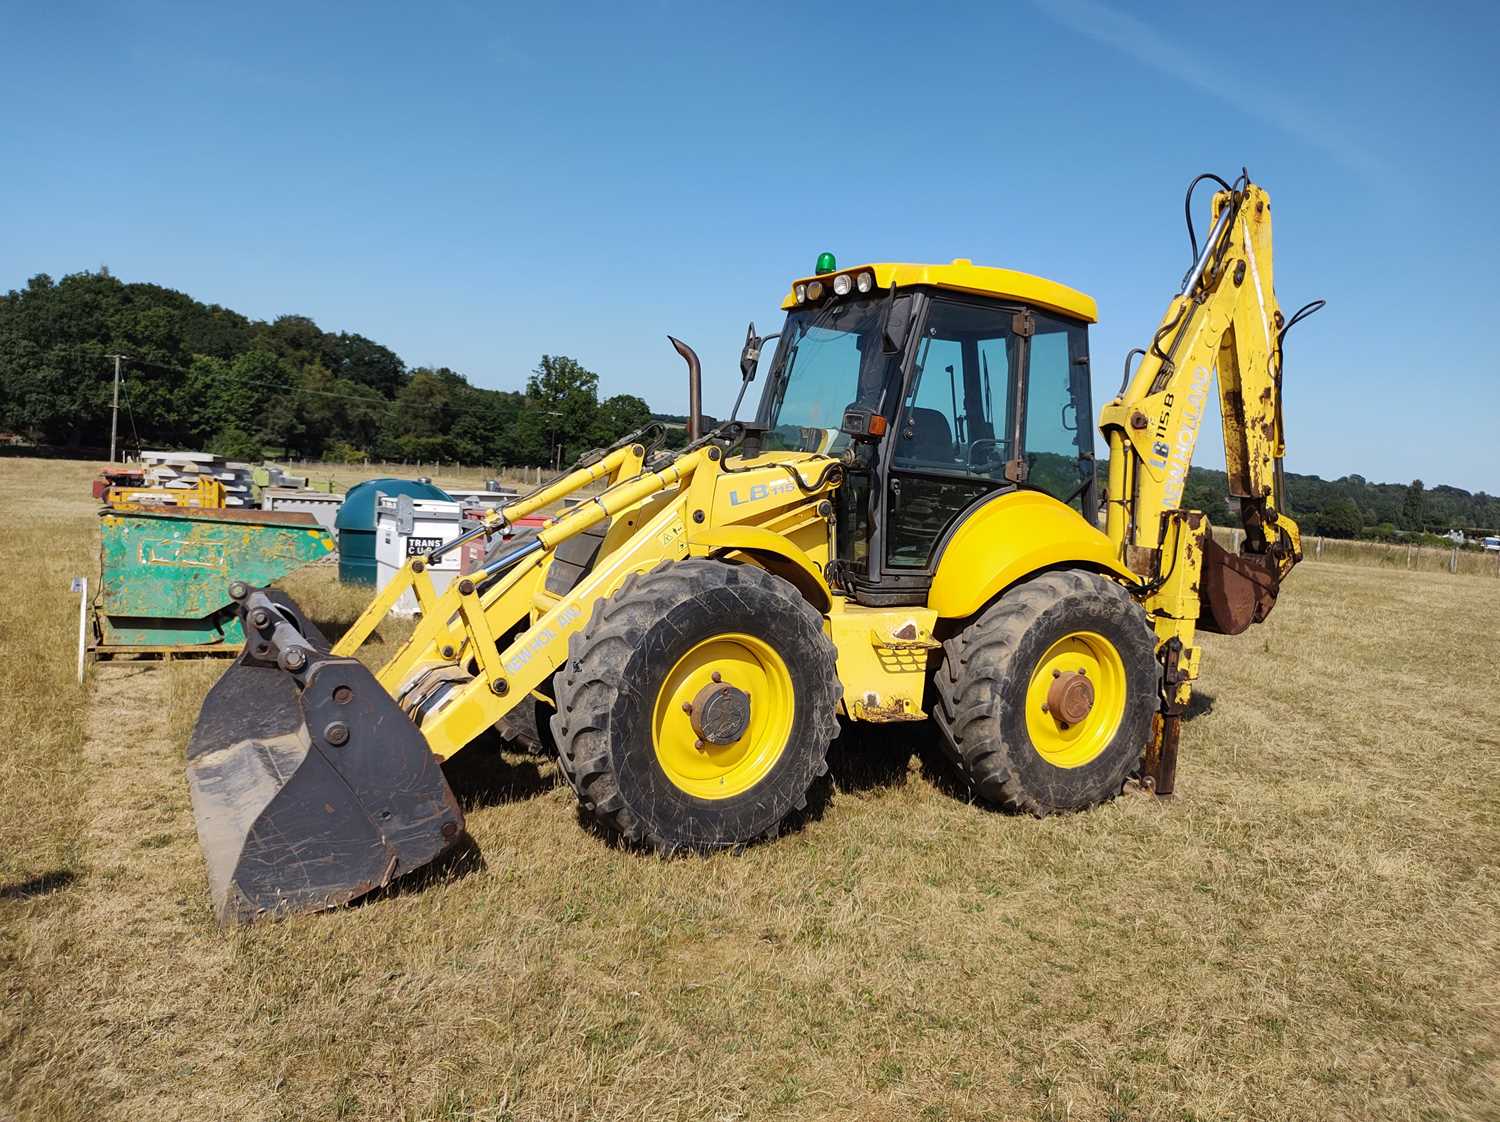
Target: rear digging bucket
<point x="309" y="785"/>
<point x="1235" y="590"/>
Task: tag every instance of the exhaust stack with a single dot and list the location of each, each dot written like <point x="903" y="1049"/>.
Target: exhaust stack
<point x="695" y="387"/>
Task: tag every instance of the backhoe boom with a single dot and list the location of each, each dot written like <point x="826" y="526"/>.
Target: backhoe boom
<point x="1226" y="322"/>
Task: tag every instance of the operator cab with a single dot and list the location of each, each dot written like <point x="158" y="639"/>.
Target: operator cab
<point x="939" y="386"/>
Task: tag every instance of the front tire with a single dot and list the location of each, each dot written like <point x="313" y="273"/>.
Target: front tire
<point x="697" y="706"/>
<point x="1046" y="698"/>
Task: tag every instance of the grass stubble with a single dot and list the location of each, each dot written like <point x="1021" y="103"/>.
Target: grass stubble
<point x="1308" y="931"/>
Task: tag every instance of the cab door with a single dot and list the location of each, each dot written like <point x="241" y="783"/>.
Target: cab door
<point x="956" y="435"/>
<point x="1057" y="433"/>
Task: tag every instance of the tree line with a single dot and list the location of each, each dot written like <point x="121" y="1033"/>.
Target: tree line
<point x="1353" y="507"/>
<point x="203" y="376"/>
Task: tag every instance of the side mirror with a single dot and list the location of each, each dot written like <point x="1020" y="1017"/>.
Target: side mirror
<point x="895" y="324"/>
<point x="750" y="355"/>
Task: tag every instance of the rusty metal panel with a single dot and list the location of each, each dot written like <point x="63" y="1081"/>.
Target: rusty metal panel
<point x="165" y="574"/>
<point x="1236" y="589"/>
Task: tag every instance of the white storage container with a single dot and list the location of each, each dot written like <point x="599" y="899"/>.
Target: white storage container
<point x="322" y="505"/>
<point x="485" y="500"/>
<point x="407" y="527"/>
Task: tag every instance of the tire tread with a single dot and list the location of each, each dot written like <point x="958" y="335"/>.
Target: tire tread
<point x="598" y="654"/>
<point x="979" y="666"/>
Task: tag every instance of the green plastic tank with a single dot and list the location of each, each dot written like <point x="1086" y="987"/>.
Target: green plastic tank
<point x="356" y="523"/>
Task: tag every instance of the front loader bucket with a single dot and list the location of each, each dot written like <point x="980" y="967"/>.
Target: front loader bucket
<point x="309" y="785"/>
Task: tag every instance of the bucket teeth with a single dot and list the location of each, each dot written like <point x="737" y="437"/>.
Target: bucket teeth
<point x="310" y="789"/>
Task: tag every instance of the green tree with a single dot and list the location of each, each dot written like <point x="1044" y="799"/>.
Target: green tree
<point x="416" y="426"/>
<point x="361" y="360"/>
<point x="1341" y="519"/>
<point x="1205" y="493"/>
<point x="556" y="424"/>
<point x="333" y="410"/>
<point x="618" y="415"/>
<point x="1414" y="507"/>
<point x="484" y="430"/>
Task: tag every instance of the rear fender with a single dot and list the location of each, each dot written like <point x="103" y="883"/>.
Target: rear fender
<point x="1009" y="538"/>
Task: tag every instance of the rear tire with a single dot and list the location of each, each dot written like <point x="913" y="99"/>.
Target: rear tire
<point x="1016" y="751"/>
<point x="625" y="730"/>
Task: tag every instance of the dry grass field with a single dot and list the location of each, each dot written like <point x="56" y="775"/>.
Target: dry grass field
<point x="1311" y="930"/>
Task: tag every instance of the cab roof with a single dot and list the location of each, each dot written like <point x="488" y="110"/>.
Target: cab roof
<point x="962" y="275"/>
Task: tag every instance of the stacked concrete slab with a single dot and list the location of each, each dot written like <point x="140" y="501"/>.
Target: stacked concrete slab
<point x="182" y="470"/>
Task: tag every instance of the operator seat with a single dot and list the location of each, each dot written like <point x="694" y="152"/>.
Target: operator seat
<point x="926" y="436"/>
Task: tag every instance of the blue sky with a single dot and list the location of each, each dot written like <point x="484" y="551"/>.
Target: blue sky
<point x="476" y="184"/>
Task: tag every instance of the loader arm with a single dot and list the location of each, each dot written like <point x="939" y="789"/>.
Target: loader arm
<point x="316" y="781"/>
<point x="1224" y="321"/>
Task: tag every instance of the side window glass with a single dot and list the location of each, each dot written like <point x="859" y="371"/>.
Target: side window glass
<point x="932" y="423"/>
<point x="990" y="443"/>
<point x="1057" y="421"/>
<point x="956" y="416"/>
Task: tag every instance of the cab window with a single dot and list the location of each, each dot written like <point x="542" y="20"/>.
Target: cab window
<point x="954" y="417"/>
<point x="1059" y="432"/>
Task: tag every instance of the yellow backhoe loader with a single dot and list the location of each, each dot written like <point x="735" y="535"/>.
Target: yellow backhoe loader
<point x="908" y="531"/>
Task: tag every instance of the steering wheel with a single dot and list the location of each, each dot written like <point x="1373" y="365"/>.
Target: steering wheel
<point x="993" y="457"/>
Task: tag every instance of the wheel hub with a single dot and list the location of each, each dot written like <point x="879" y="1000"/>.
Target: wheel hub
<point x="720" y="713"/>
<point x="1070" y="698"/>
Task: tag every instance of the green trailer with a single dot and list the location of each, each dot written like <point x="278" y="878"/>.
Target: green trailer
<point x="165" y="573"/>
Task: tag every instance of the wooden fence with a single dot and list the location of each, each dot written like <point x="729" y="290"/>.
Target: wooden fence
<point x="1387" y="555"/>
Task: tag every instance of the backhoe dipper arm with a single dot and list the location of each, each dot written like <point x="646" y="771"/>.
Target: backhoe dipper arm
<point x="1225" y="320"/>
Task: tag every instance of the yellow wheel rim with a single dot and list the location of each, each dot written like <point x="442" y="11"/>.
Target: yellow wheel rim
<point x="721" y="771"/>
<point x="1075" y="700"/>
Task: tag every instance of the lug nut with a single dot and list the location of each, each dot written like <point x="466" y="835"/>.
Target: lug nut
<point x="698" y="744"/>
<point x="337" y="734"/>
<point x="1057" y="673"/>
<point x="717" y="677"/>
<point x="687" y="706"/>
